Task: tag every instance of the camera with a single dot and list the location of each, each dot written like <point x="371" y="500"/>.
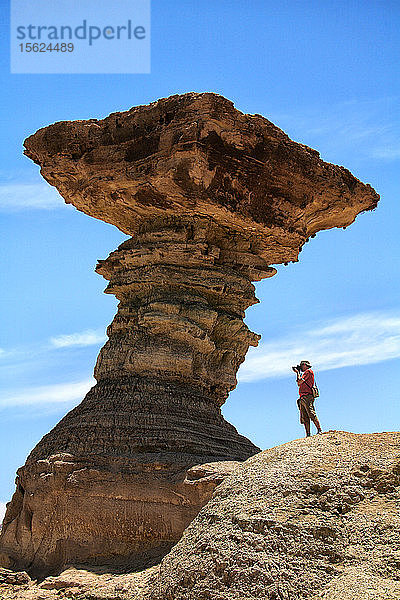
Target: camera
<point x="296" y="369"/>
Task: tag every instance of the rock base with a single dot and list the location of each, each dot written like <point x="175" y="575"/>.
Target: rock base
<point x="69" y="511"/>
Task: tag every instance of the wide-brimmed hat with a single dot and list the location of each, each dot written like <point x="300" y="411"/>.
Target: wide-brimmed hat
<point x="306" y="362"/>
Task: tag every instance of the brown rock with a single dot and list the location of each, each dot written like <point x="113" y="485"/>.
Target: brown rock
<point x="96" y="511"/>
<point x="314" y="519"/>
<point x="8" y="577"/>
<point x="82" y="584"/>
<point x="212" y="198"/>
<point x="195" y="154"/>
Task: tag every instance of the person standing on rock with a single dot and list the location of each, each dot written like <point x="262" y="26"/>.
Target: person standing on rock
<point x="306" y="397"/>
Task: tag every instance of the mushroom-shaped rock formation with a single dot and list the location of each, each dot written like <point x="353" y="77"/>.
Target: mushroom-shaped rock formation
<point x="211" y="197"/>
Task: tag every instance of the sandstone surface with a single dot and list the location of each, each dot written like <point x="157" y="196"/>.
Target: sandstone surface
<point x="313" y="519"/>
<point x="212" y="198"/>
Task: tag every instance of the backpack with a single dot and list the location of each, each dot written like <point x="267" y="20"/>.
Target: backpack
<point x="314" y="389"/>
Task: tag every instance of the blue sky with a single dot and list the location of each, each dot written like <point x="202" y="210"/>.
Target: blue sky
<point x="327" y="73"/>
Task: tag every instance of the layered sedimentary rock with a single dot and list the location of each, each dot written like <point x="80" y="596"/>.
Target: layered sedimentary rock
<point x="212" y="198"/>
<point x="313" y="519"/>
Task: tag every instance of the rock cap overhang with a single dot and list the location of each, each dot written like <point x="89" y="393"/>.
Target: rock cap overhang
<point x="192" y="155"/>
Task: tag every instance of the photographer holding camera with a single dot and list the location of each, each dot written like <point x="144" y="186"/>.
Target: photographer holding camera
<point x="306" y="393"/>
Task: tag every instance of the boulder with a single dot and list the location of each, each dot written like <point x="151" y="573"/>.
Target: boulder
<point x="314" y="519"/>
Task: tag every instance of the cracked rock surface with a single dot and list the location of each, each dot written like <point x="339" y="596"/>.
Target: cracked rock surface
<point x="211" y="198"/>
<point x="313" y="519"/>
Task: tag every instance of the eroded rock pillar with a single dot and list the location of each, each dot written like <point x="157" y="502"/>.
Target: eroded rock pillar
<point x="119" y="460"/>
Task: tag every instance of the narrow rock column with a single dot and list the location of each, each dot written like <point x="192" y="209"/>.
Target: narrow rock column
<point x="183" y="294"/>
<point x="174" y="346"/>
<point x="118" y="462"/>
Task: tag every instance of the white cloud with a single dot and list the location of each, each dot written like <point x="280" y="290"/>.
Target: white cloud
<point x="48" y="394"/>
<point x="391" y="152"/>
<point x="369" y="127"/>
<point x="89" y="337"/>
<point x="45" y="351"/>
<point x="2" y="511"/>
<point x="362" y="339"/>
<point x="22" y="196"/>
<point x="8" y="354"/>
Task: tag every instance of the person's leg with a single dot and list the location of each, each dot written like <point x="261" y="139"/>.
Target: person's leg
<point x="314" y="418"/>
<point x="317" y="424"/>
<point x="304" y="416"/>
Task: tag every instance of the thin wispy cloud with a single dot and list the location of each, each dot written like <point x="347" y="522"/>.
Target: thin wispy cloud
<point x="391" y="152"/>
<point x="369" y="128"/>
<point x="39" y="363"/>
<point x="89" y="337"/>
<point x="362" y="339"/>
<point x="29" y="352"/>
<point x="2" y="511"/>
<point x="16" y="196"/>
<point x="48" y="394"/>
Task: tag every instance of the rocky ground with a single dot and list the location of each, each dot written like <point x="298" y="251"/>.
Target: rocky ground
<point x="316" y="518"/>
<point x="76" y="583"/>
